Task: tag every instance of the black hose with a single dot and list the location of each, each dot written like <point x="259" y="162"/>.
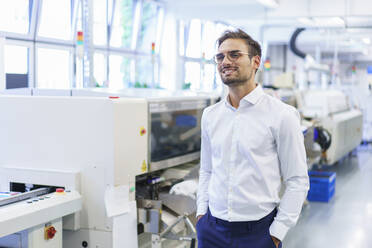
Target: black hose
<point x="292" y="43"/>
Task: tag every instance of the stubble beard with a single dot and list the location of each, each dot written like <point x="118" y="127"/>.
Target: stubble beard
<point x="236" y="81"/>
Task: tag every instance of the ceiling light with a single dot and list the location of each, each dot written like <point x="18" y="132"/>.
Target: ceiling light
<point x="329" y="22"/>
<point x="322" y="21"/>
<point x="366" y="41"/>
<point x="269" y="3"/>
<point x="306" y="21"/>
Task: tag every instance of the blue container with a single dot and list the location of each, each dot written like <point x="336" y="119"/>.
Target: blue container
<point x="322" y="186"/>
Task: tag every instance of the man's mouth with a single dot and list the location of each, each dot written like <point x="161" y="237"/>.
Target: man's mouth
<point x="228" y="71"/>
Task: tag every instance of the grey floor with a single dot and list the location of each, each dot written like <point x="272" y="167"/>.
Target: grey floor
<point x="345" y="221"/>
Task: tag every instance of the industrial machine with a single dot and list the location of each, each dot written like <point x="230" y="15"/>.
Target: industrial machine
<point x="35" y="219"/>
<point x="330" y="109"/>
<point x="117" y="152"/>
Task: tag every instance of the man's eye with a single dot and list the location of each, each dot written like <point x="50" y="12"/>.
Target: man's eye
<point x="220" y="56"/>
<point x="234" y="55"/>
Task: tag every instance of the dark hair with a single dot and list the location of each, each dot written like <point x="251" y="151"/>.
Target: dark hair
<point x="253" y="47"/>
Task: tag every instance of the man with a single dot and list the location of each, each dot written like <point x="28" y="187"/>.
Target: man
<point x="251" y="142"/>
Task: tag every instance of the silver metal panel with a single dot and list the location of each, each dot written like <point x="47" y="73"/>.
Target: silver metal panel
<point x="158" y="107"/>
<point x="154" y="166"/>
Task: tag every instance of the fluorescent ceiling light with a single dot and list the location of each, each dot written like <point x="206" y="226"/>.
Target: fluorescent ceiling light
<point x="306" y="21"/>
<point x="269" y="3"/>
<point x="366" y="41"/>
<point x="322" y="21"/>
<point x="329" y="21"/>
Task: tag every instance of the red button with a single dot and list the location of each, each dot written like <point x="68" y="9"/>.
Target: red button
<point x="114" y="97"/>
<point x="60" y="190"/>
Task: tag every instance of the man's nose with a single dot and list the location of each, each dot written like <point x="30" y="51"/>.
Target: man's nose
<point x="225" y="60"/>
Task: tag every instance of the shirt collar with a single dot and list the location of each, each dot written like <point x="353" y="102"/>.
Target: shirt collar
<point x="254" y="95"/>
<point x="251" y="98"/>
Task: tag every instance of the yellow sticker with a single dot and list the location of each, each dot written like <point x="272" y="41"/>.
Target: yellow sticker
<point x="144" y="166"/>
<point x="142" y="131"/>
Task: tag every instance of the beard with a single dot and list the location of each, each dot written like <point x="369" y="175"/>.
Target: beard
<point x="235" y="80"/>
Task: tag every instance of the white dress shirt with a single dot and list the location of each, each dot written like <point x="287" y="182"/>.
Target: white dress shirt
<point x="245" y="154"/>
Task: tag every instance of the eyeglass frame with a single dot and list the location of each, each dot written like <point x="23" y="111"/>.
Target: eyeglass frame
<point x="228" y="55"/>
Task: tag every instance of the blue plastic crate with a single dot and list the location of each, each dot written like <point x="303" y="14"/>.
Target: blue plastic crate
<point x="322" y="186"/>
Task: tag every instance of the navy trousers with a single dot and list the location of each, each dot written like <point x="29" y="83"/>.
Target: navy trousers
<point x="216" y="233"/>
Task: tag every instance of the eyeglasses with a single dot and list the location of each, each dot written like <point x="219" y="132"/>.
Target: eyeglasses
<point x="231" y="55"/>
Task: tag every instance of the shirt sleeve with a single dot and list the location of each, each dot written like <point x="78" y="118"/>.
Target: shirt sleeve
<point x="205" y="169"/>
<point x="293" y="167"/>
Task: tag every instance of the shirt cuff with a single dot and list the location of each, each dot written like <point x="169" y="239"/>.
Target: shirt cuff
<point x="202" y="209"/>
<point x="278" y="230"/>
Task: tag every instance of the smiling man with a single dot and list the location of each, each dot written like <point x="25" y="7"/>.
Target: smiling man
<point x="251" y="144"/>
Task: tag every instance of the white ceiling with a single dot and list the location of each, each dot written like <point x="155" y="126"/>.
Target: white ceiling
<point x="277" y="25"/>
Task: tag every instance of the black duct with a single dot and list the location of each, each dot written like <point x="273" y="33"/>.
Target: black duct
<point x="292" y="43"/>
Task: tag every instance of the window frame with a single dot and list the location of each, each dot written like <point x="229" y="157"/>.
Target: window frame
<point x="33" y="41"/>
<point x="31" y="56"/>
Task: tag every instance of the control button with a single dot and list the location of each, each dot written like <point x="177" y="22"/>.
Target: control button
<point x="60" y="191"/>
<point x="35" y="200"/>
<point x="67" y="191"/>
<point x="41" y="198"/>
<point x="29" y="201"/>
<point x="47" y="197"/>
<point x="49" y="232"/>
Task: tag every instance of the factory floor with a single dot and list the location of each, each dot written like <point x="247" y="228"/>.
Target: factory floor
<point x="345" y="221"/>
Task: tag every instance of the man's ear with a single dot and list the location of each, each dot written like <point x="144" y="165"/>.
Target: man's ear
<point x="256" y="62"/>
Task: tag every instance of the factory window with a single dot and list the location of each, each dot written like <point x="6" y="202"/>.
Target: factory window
<point x="208" y="77"/>
<point x="120" y="72"/>
<point x="99" y="69"/>
<point x="209" y="40"/>
<point x="199" y="38"/>
<point x="55" y="19"/>
<point x="14" y="16"/>
<point x="146" y="72"/>
<point x="16" y="66"/>
<point x="16" y="59"/>
<point x="122" y="26"/>
<point x="193" y="48"/>
<point x="182" y="36"/>
<point x="147" y="31"/>
<point x="53" y="68"/>
<point x="192" y="76"/>
<point x="125" y="29"/>
<point x="220" y="28"/>
<point x="99" y="22"/>
<point x="218" y="82"/>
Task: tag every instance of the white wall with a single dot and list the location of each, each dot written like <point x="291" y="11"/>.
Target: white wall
<point x="2" y="67"/>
